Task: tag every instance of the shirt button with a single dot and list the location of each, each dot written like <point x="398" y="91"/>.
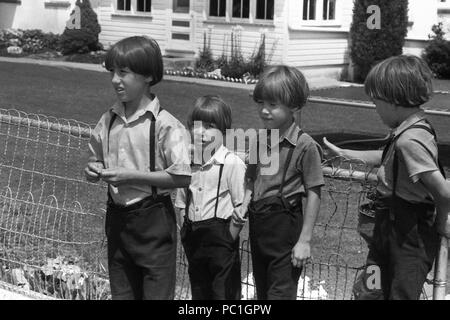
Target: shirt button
<point x="199" y="189"/>
<point x="196" y="209"/>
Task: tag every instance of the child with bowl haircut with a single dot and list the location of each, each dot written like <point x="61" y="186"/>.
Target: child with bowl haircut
<point x="141" y="151"/>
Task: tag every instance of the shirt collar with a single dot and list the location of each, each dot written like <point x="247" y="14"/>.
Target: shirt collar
<point x="218" y="157"/>
<point x="291" y="134"/>
<point x="408" y="122"/>
<point x="152" y="106"/>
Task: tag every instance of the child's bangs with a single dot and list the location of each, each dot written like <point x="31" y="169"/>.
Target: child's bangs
<point x="272" y="91"/>
<point x="134" y="58"/>
<point x="206" y="116"/>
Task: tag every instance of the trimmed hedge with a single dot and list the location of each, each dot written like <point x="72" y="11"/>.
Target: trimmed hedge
<point x="370" y="46"/>
<point x="84" y="39"/>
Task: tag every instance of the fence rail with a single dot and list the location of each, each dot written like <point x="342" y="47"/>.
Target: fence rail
<point x="52" y="221"/>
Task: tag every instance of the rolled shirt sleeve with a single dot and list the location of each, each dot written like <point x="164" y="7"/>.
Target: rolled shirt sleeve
<point x="180" y="199"/>
<point x="236" y="178"/>
<point x="174" y="141"/>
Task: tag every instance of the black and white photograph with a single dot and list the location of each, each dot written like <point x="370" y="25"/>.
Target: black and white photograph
<point x="231" y="152"/>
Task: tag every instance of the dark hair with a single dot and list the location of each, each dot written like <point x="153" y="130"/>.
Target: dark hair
<point x="403" y="80"/>
<point x="282" y="84"/>
<point x="211" y="109"/>
<point x="140" y="54"/>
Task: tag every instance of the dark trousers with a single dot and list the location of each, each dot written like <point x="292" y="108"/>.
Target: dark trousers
<point x="404" y="246"/>
<point x="213" y="256"/>
<point x="142" y="249"/>
<point x="274" y="231"/>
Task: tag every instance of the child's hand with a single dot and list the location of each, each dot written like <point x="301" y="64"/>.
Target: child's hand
<point x="237" y="222"/>
<point x="116" y="176"/>
<point x="301" y="254"/>
<point x="332" y="149"/>
<point x="238" y="216"/>
<point x="93" y="171"/>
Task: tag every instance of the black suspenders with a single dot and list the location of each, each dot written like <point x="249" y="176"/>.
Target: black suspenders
<point x="395" y="160"/>
<point x="189" y="195"/>
<point x="152" y="143"/>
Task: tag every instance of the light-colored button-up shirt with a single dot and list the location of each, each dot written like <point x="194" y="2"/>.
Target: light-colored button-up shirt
<point x="417" y="153"/>
<point x="129" y="147"/>
<point x="204" y="182"/>
<point x="304" y="170"/>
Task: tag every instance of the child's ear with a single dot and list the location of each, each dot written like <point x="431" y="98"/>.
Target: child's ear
<point x="149" y="79"/>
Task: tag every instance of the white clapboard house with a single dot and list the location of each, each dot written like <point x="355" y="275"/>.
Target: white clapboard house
<point x="310" y="34"/>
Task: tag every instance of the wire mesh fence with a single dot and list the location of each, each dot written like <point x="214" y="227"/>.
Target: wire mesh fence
<point x="52" y="237"/>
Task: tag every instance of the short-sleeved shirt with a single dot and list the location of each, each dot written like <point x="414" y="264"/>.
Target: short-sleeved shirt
<point x="304" y="170"/>
<point x="129" y="147"/>
<point x="417" y="153"/>
<point x="204" y="183"/>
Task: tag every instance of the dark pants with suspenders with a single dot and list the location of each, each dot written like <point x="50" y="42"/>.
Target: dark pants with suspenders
<point x="275" y="226"/>
<point x="142" y="241"/>
<point x="213" y="256"/>
<point x="142" y="249"/>
<point x="404" y="246"/>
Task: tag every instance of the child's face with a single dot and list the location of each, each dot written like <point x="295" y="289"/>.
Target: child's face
<point x="275" y="115"/>
<point x="387" y="113"/>
<point x="205" y="133"/>
<point x="129" y="86"/>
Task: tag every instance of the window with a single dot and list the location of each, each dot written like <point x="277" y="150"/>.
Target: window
<point x="309" y="9"/>
<point x="181" y="6"/>
<point x="241" y="8"/>
<point x="264" y="9"/>
<point x="144" y="5"/>
<point x="124" y="5"/>
<point x="217" y="8"/>
<point x="134" y="6"/>
<point x="329" y="10"/>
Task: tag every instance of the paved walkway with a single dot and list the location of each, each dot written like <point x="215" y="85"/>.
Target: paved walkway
<point x="314" y="83"/>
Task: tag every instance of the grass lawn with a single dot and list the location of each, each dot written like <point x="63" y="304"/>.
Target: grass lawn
<point x="84" y="96"/>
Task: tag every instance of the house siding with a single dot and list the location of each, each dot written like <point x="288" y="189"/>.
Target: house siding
<point x="35" y="14"/>
<point x="116" y="27"/>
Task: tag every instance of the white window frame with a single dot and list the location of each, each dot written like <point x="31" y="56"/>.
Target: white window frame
<point x="245" y="21"/>
<point x="133" y="9"/>
<point x="318" y="19"/>
<point x="218" y="4"/>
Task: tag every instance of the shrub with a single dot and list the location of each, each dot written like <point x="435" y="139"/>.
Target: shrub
<point x="235" y="66"/>
<point x="31" y="41"/>
<point x="369" y="46"/>
<point x="205" y="61"/>
<point x="437" y="53"/>
<point x="84" y="39"/>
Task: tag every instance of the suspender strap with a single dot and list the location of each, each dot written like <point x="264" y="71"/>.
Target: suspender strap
<point x="189" y="195"/>
<point x="153" y="150"/>
<point x="218" y="190"/>
<point x="395" y="160"/>
<point x="152" y="143"/>
<point x="287" y="163"/>
<point x="188" y="201"/>
<point x="111" y="122"/>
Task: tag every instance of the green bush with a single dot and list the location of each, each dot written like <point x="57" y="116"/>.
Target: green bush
<point x="437" y="53"/>
<point x="84" y="39"/>
<point x="369" y="46"/>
